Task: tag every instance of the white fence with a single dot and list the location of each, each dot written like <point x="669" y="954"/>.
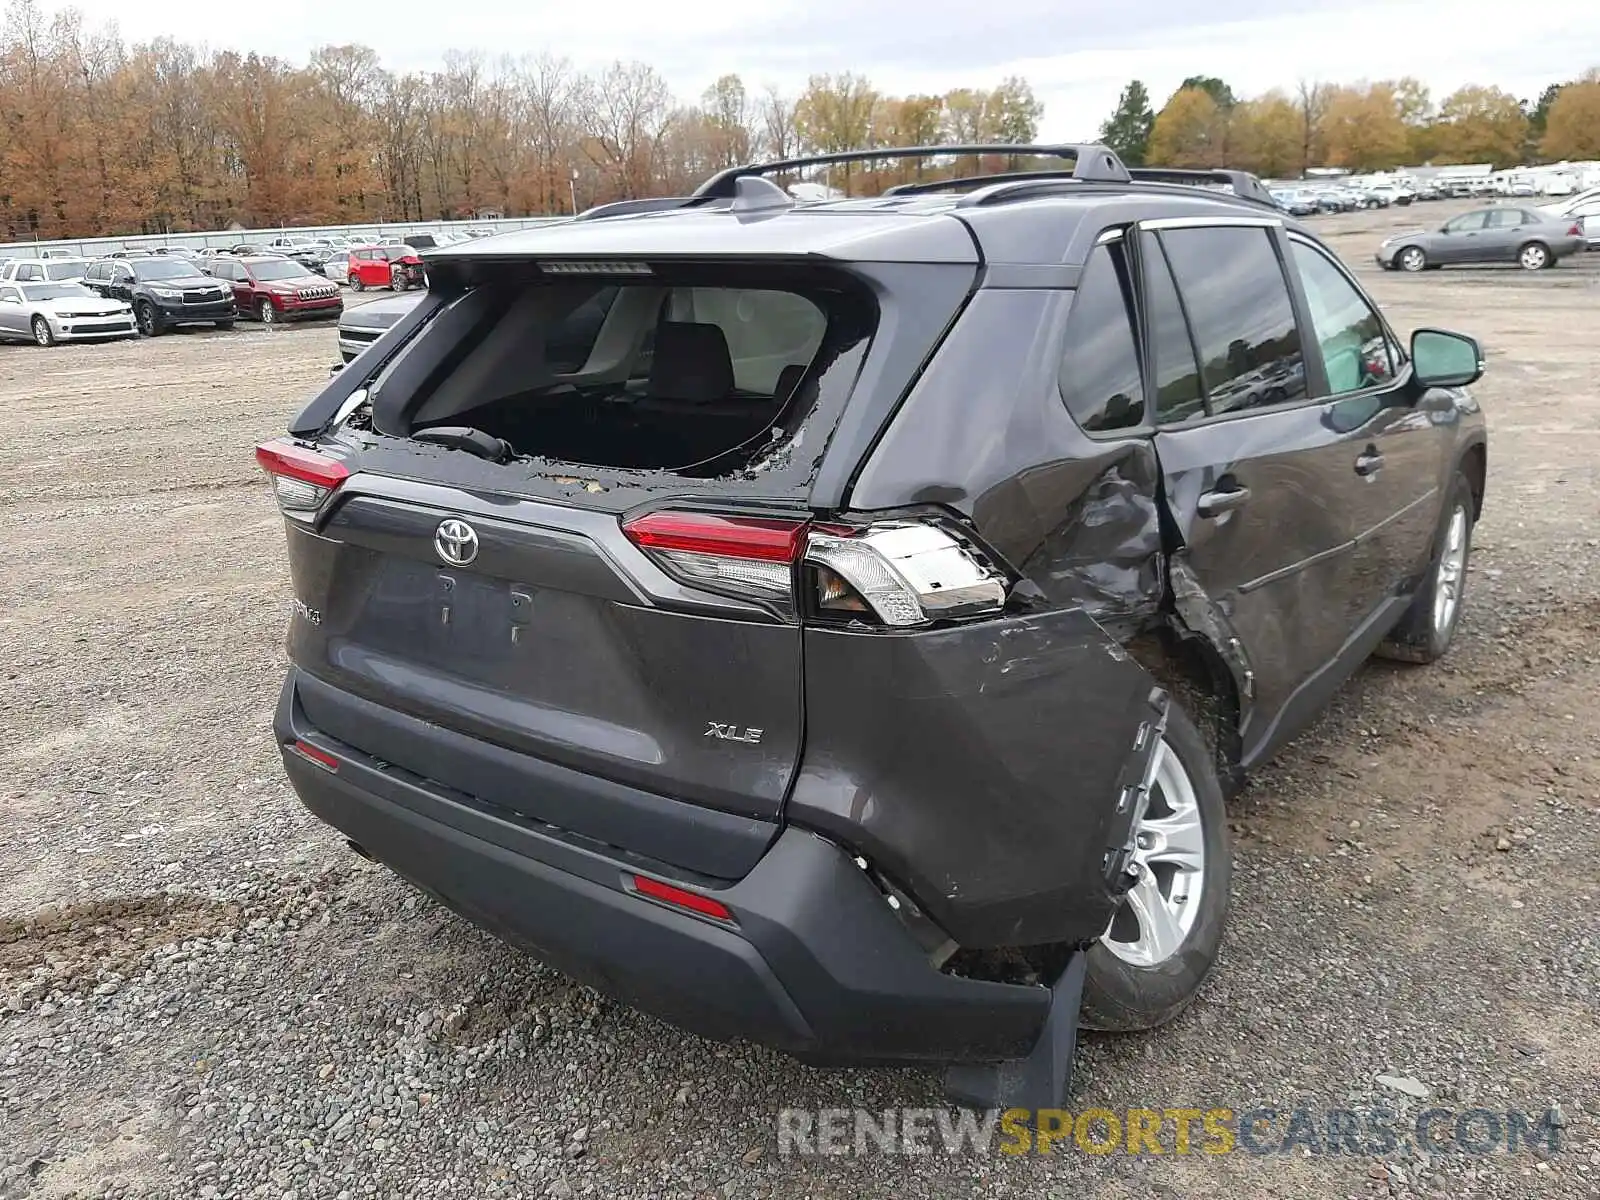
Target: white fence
<point x="220" y="239"/>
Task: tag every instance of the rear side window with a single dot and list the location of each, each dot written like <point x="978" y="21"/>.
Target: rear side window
<point x="1238" y="305"/>
<point x="1177" y="377"/>
<point x="1100" y="378"/>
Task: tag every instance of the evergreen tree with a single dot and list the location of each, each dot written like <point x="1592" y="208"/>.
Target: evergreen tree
<point x="1127" y="131"/>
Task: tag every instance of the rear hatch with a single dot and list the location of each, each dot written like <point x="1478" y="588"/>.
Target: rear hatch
<point x="562" y="522"/>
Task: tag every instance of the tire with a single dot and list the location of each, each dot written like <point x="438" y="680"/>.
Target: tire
<point x="224" y="325"/>
<point x="1535" y="256"/>
<point x="1425" y="632"/>
<point x="1121" y="992"/>
<point x="145" y="316"/>
<point x="266" y="312"/>
<point x="42" y="333"/>
<point x="1412" y="258"/>
<point x="397" y="280"/>
<point x="356" y="285"/>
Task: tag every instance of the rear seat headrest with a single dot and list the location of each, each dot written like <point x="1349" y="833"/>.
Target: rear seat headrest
<point x="691" y="362"/>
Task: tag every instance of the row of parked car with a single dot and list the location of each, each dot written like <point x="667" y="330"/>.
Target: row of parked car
<point x="132" y="292"/>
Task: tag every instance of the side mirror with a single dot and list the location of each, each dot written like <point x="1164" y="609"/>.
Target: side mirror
<point x="1444" y="359"/>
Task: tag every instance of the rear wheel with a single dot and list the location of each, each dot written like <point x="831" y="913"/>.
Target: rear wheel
<point x="1425" y="632"/>
<point x="1164" y="939"/>
<point x="1412" y="258"/>
<point x="1535" y="257"/>
<point x="42" y="333"/>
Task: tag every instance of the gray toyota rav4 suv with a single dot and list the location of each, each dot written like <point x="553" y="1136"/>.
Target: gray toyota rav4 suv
<point x="838" y="624"/>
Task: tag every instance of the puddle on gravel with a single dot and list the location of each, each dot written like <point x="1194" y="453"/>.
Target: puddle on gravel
<point x="69" y="946"/>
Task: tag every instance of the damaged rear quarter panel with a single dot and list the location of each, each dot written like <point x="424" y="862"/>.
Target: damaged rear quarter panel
<point x="979" y="766"/>
<point x="986" y="434"/>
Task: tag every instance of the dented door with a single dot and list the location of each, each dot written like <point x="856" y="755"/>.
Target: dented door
<point x="1262" y="515"/>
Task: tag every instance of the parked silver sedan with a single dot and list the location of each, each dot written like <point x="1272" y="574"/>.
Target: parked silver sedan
<point x="48" y="313"/>
<point x="1503" y="234"/>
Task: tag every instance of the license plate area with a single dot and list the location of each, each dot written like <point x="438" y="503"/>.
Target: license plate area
<point x="451" y="618"/>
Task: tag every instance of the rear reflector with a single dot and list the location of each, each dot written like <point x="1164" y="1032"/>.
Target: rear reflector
<point x="681" y="898"/>
<point x="312" y="754"/>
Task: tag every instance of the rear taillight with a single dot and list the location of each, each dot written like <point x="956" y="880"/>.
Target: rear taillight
<point x="1576" y="230"/>
<point x="899" y="573"/>
<point x="743" y="554"/>
<point x="302" y="478"/>
<point x="906" y="573"/>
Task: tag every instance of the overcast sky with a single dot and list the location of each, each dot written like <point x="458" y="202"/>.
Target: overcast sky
<point x="1077" y="53"/>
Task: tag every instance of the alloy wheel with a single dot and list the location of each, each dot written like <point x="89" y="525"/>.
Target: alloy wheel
<point x="1450" y="573"/>
<point x="41" y="332"/>
<point x="1160" y="909"/>
<point x="1413" y="259"/>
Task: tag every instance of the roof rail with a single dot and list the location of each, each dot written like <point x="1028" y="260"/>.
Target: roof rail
<point x="624" y="208"/>
<point x="1091" y="162"/>
<point x="1244" y="185"/>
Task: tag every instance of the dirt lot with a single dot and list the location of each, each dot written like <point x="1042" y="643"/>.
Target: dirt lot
<point x="230" y="1004"/>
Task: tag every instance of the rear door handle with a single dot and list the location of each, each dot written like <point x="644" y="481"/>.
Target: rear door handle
<point x="1213" y="504"/>
<point x="1369" y="463"/>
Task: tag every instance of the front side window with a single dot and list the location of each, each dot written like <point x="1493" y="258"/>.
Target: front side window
<point x="1100" y="379"/>
<point x="1466" y="223"/>
<point x="1356" y="353"/>
<point x="1238" y="305"/>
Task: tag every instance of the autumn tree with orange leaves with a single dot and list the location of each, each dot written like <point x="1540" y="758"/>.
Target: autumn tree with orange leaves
<point x="100" y="137"/>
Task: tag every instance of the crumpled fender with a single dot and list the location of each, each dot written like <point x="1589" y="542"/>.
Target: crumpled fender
<point x="985" y="768"/>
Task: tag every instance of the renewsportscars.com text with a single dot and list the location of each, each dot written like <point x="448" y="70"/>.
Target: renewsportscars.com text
<point x="1262" y="1130"/>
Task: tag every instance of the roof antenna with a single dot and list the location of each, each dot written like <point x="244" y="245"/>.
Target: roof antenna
<point x="755" y="194"/>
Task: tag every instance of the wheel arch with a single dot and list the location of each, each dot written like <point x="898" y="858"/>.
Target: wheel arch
<point x="1473" y="462"/>
<point x="1194" y="671"/>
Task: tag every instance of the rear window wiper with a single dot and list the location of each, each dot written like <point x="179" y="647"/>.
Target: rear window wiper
<point x="463" y="437"/>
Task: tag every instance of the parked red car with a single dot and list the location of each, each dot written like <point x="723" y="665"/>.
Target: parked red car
<point x="394" y="266"/>
<point x="274" y="289"/>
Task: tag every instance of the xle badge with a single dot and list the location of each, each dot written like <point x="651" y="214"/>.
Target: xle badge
<point x="732" y="733"/>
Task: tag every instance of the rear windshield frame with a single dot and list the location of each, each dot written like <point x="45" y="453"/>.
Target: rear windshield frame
<point x="787" y="464"/>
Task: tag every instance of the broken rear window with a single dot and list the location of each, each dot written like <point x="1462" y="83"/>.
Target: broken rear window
<point x="700" y="372"/>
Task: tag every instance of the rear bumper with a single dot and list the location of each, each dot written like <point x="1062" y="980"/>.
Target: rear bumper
<point x="814" y="963"/>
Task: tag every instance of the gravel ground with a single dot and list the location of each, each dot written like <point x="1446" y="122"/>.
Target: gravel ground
<point x="205" y="995"/>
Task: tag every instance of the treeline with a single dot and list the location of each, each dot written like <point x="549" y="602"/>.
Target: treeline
<point x="102" y="137"/>
<point x="1363" y="127"/>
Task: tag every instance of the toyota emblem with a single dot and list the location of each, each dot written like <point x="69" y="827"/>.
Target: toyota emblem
<point x="456" y="542"/>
